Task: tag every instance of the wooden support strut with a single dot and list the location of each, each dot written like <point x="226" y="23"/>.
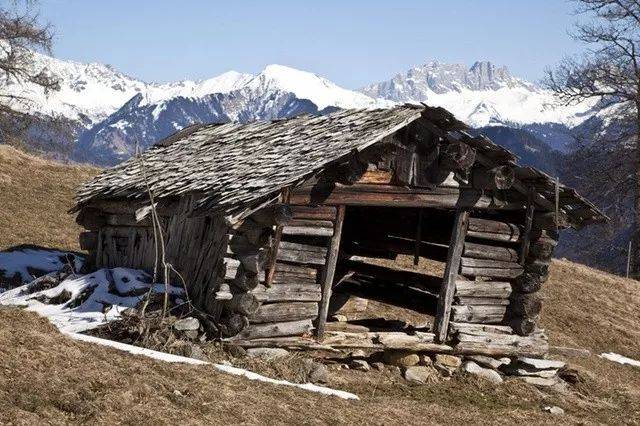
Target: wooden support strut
<point x="271" y="267"/>
<point x="329" y="272"/>
<point x="526" y="238"/>
<point x="418" y="240"/>
<point x="445" y="299"/>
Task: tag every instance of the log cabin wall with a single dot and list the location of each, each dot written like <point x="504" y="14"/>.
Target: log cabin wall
<point x="288" y="304"/>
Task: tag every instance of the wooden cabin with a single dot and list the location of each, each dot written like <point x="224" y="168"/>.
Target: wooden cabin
<point x="266" y="221"/>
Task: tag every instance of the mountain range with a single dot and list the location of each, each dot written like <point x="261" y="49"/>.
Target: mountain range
<point x="113" y="113"/>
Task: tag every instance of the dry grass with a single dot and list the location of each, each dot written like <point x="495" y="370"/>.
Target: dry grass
<point x="35" y="197"/>
<point x="47" y="378"/>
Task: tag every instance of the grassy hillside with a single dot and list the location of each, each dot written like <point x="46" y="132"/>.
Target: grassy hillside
<point x="47" y="377"/>
<point x="35" y="195"/>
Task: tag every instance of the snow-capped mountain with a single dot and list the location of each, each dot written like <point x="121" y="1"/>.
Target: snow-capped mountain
<point x="113" y="112"/>
<point x="91" y="92"/>
<point x="480" y="95"/>
<point x="277" y="92"/>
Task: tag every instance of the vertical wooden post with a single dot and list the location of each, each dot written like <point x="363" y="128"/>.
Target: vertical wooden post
<point x="445" y="299"/>
<point x="416" y="253"/>
<point x="330" y="271"/>
<point x="557" y="201"/>
<point x="629" y="259"/>
<point x="273" y="256"/>
<point x="528" y="223"/>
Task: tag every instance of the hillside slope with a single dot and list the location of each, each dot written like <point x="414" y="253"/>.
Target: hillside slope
<point x="46" y="377"/>
<point x="35" y="195"/>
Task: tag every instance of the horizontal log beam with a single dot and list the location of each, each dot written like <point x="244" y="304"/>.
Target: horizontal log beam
<point x="395" y="196"/>
<point x="288" y="293"/>
<point x="483" y="289"/>
<point x="487" y="314"/>
<point x="292" y="311"/>
<point x="489" y="263"/>
<point x="280" y="329"/>
<point x="314" y="212"/>
<point x="311" y="231"/>
<point x="484" y="251"/>
<point x="464" y="300"/>
<point x="490" y="272"/>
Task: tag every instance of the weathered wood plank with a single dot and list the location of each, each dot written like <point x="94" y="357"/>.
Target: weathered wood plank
<point x="487" y="314"/>
<point x="313" y="231"/>
<point x="464" y="300"/>
<point x="288" y="293"/>
<point x="329" y="271"/>
<point x="483" y="289"/>
<point x="280" y="329"/>
<point x="278" y="312"/>
<point x="489" y="263"/>
<point x="445" y="299"/>
<point x="314" y="212"/>
<point x="483" y="251"/>
<point x="490" y="272"/>
<point x="396" y="196"/>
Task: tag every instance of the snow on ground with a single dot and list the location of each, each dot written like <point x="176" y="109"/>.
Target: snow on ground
<point x="162" y="356"/>
<point x="81" y="303"/>
<point x="612" y="356"/>
<point x="21" y="261"/>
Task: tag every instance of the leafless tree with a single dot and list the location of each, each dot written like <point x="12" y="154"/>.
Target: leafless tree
<point x="21" y="34"/>
<point x="609" y="73"/>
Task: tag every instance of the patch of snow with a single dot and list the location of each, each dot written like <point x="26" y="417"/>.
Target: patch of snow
<point x="21" y="260"/>
<point x="103" y="295"/>
<point x="621" y="359"/>
<point x="162" y="356"/>
<point x="136" y="350"/>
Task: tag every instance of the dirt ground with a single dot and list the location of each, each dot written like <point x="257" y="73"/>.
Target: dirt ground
<point x="47" y="378"/>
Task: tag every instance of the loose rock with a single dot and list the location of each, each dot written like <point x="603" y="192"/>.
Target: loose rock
<point x="541" y="364"/>
<point x="425" y="359"/>
<point x="360" y="365"/>
<point x="317" y="373"/>
<point x="539" y="381"/>
<point x="401" y="358"/>
<point x="450" y="361"/>
<point x="267" y="354"/>
<point x="358" y="353"/>
<point x="554" y="410"/>
<point x="421" y="375"/>
<point x="187" y="324"/>
<point x="488" y="362"/>
<point x="486" y="373"/>
<point x="447" y="364"/>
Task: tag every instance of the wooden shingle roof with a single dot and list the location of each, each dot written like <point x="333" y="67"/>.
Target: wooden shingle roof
<point x="231" y="166"/>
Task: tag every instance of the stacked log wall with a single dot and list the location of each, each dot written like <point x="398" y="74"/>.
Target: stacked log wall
<point x="289" y="304"/>
<point x="496" y="290"/>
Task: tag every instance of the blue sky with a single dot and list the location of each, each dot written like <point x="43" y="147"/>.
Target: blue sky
<point x="350" y="42"/>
